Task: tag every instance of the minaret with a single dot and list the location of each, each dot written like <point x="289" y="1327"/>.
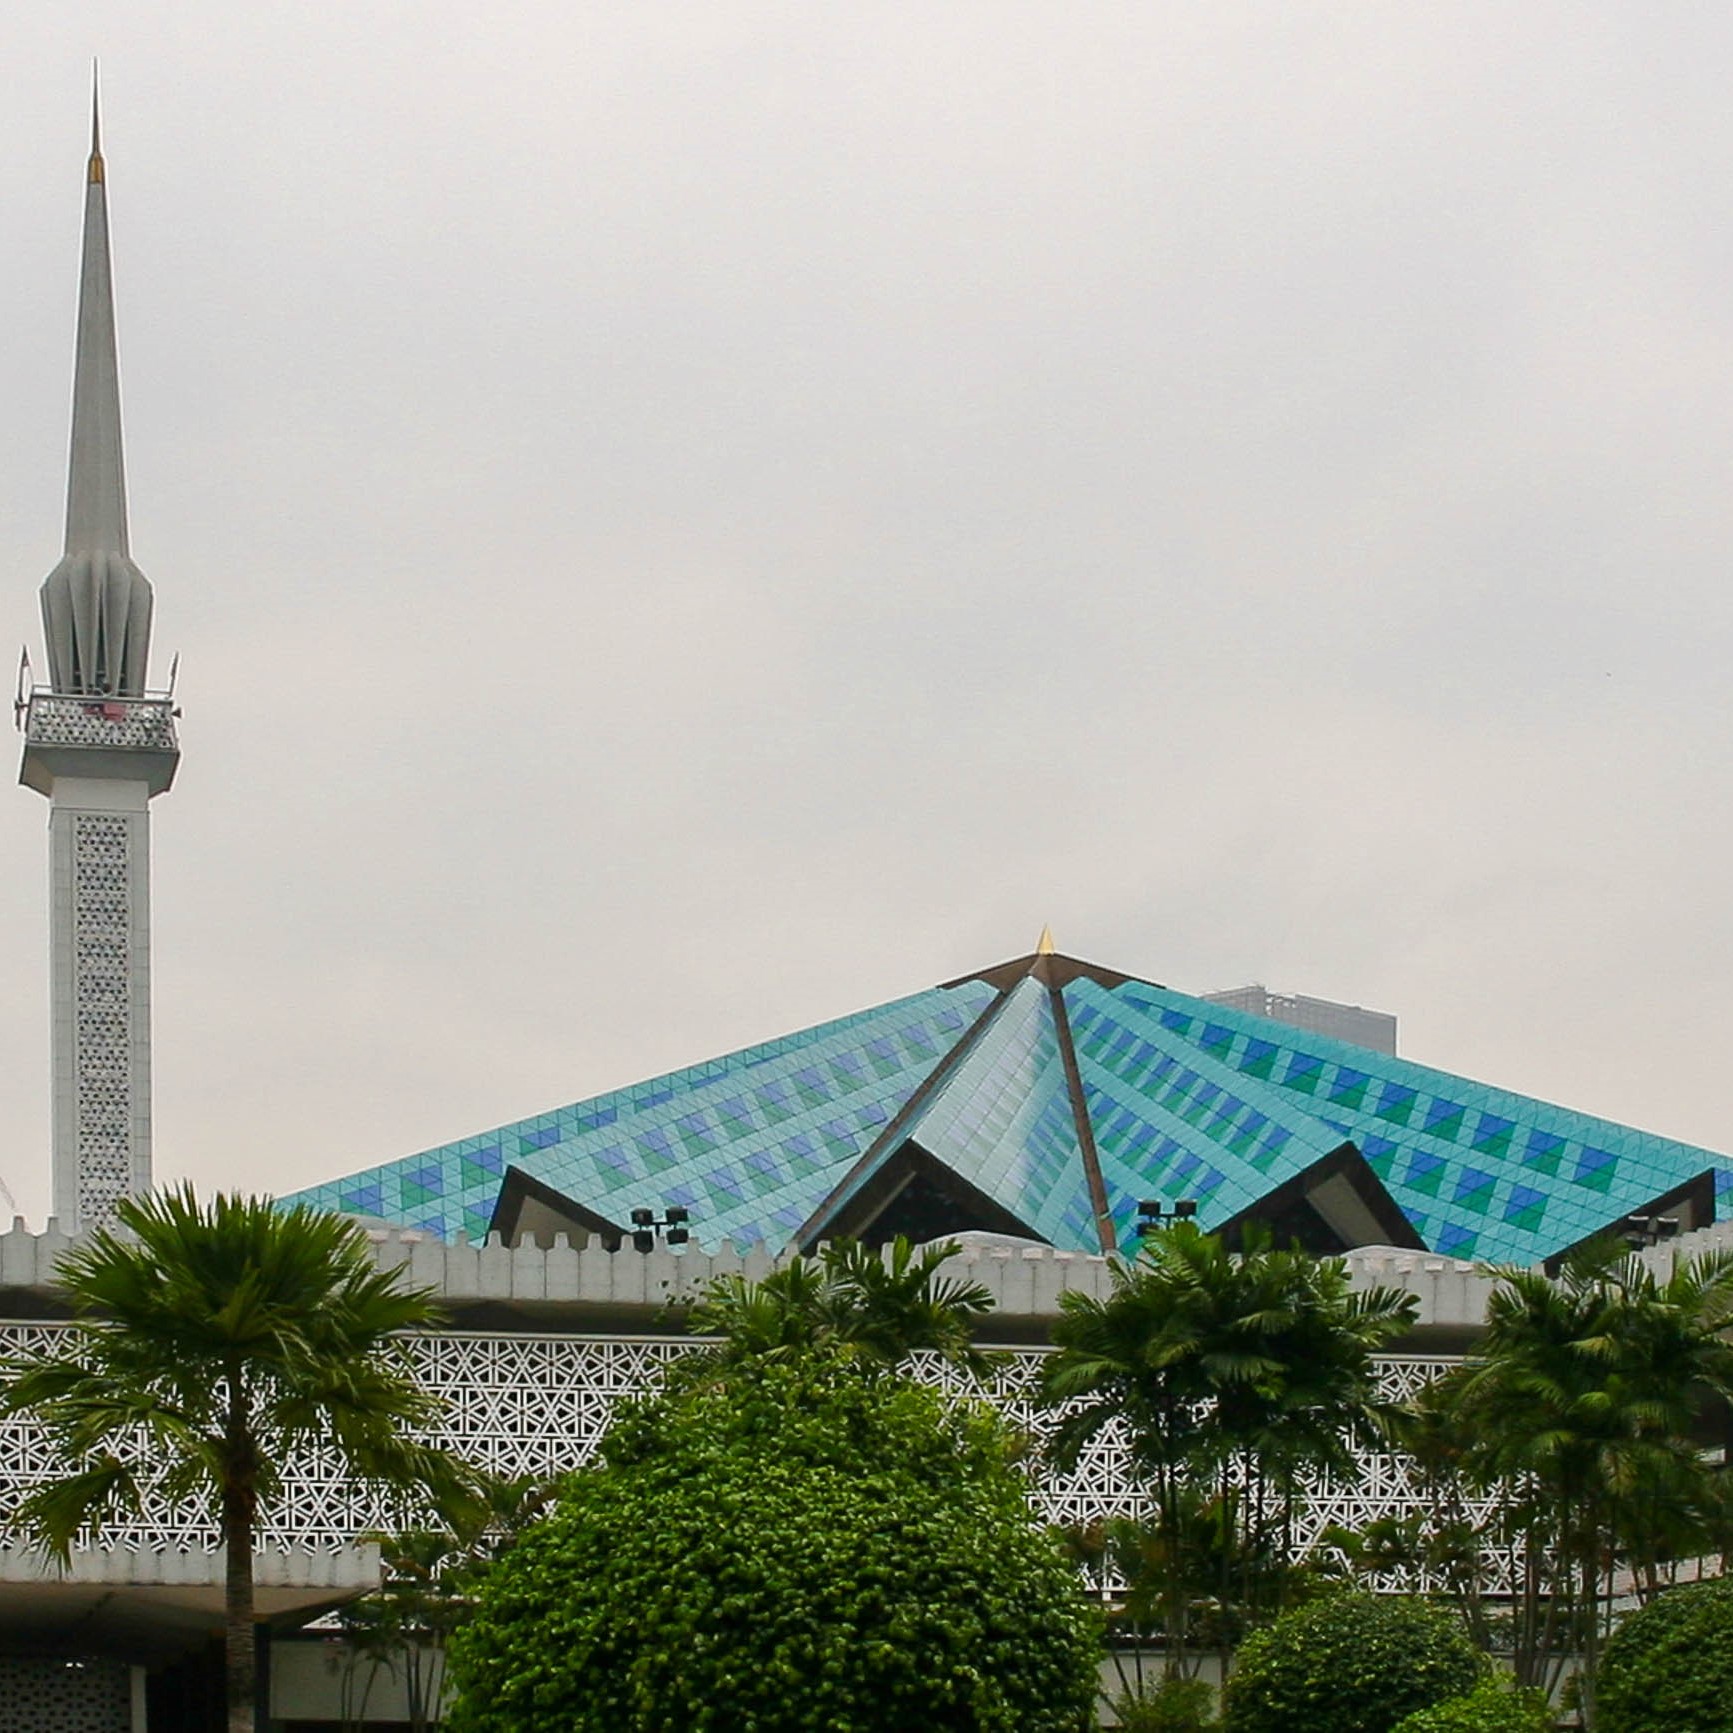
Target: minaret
<point x="99" y="745"/>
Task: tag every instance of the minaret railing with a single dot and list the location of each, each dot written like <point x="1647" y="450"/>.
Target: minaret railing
<point x="48" y="718"/>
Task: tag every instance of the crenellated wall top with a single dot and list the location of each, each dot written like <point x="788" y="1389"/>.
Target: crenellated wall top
<point x="567" y="1286"/>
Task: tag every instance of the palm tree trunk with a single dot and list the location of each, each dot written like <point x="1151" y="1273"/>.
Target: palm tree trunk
<point x="1229" y="1532"/>
<point x="1592" y="1590"/>
<point x="240" y="1509"/>
<point x="240" y="1661"/>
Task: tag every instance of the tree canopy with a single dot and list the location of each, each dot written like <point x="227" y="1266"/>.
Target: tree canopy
<point x="796" y="1548"/>
<point x="1669" y="1666"/>
<point x="1580" y="1413"/>
<point x="1349" y="1664"/>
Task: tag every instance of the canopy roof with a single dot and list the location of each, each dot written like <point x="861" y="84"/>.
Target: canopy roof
<point x="1045" y="1098"/>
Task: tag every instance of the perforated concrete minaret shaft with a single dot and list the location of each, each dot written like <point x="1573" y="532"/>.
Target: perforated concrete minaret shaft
<point x="99" y="745"/>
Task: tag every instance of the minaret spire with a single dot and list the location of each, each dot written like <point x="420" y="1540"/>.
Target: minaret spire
<point x="101" y="748"/>
<point x="96" y="604"/>
<point x="95" y="173"/>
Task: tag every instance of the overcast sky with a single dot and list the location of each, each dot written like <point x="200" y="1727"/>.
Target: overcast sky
<point x="686" y="521"/>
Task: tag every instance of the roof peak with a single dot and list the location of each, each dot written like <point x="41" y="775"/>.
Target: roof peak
<point x="1048" y="965"/>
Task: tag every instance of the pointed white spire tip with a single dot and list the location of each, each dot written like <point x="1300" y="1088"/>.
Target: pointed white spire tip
<point x="96" y="168"/>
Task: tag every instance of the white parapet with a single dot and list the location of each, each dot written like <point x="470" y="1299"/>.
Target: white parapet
<point x="1025" y="1280"/>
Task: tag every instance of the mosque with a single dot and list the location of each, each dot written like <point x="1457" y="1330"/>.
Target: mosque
<point x="1041" y="1108"/>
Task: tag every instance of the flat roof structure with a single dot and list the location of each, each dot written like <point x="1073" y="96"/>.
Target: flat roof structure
<point x="1045" y="1099"/>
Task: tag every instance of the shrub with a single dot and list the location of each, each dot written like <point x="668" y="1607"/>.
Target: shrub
<point x="1494" y="1708"/>
<point x="1349" y="1664"/>
<point x="783" y="1547"/>
<point x="1172" y="1706"/>
<point x="1669" y="1666"/>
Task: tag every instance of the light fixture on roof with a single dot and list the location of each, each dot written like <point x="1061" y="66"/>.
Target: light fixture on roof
<point x="647" y="1226"/>
<point x="1642" y="1231"/>
<point x="1151" y="1217"/>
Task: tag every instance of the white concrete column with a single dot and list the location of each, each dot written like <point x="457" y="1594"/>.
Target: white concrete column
<point x="99" y="942"/>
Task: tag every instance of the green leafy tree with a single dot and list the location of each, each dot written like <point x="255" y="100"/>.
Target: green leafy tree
<point x="799" y="1546"/>
<point x="1493" y="1708"/>
<point x="876" y="1307"/>
<point x="214" y="1344"/>
<point x="1580" y="1413"/>
<point x="1349" y="1664"/>
<point x="1669" y="1667"/>
<point x="1237" y="1375"/>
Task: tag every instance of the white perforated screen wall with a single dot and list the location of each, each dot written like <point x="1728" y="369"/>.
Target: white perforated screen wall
<point x="47" y="1695"/>
<point x="523" y="1404"/>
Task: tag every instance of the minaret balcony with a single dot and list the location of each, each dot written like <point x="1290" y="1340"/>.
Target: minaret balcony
<point x="78" y="734"/>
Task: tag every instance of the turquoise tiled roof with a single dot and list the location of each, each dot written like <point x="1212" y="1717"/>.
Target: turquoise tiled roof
<point x="1171" y="1121"/>
<point x="751" y="1144"/>
<point x="1181" y="1098"/>
<point x="1480" y="1172"/>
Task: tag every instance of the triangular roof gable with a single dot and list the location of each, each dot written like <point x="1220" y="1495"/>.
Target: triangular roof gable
<point x="1006" y="1121"/>
<point x="1000" y="1117"/>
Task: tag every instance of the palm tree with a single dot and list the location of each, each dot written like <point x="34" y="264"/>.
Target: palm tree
<point x="874" y="1307"/>
<point x="1582" y="1411"/>
<point x="1244" y="1371"/>
<point x="1132" y="1360"/>
<point x="214" y="1344"/>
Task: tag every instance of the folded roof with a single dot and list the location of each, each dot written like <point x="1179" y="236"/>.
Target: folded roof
<point x="1047" y="1097"/>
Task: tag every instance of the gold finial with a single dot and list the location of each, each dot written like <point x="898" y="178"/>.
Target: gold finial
<point x="95" y="131"/>
<point x="1044" y="946"/>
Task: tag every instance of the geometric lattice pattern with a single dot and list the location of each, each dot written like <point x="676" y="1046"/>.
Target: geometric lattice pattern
<point x="61" y="719"/>
<point x="1000" y="1076"/>
<point x="64" y="1695"/>
<point x="102" y="1010"/>
<point x="537" y="1405"/>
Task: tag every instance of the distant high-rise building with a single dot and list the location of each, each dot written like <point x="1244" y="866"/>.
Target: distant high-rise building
<point x="1374" y="1029"/>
